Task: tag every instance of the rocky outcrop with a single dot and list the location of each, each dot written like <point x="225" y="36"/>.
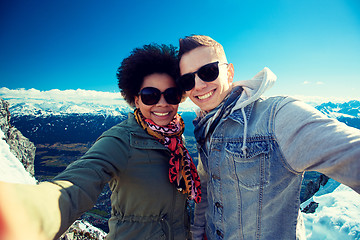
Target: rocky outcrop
<point x="313" y="186"/>
<point x="20" y="146"/>
<point x="310" y="208"/>
<point x="82" y="230"/>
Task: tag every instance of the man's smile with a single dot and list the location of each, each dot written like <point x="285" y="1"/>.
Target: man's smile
<point x="206" y="95"/>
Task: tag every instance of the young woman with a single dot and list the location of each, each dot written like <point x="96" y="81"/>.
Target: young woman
<point x="149" y="170"/>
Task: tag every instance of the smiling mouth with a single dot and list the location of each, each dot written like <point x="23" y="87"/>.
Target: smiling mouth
<point x="207" y="95"/>
<point x="160" y="114"/>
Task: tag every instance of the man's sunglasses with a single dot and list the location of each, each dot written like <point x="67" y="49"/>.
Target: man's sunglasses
<point x="151" y="95"/>
<point x="207" y="73"/>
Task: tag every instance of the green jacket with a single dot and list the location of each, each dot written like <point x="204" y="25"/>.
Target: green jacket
<point x="145" y="205"/>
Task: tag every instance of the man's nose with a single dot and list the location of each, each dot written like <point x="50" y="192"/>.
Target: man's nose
<point x="199" y="83"/>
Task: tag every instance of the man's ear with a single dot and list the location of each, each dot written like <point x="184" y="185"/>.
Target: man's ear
<point x="230" y="72"/>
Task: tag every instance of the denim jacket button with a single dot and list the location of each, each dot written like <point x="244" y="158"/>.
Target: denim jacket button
<point x="218" y="205"/>
<point x="219" y="233"/>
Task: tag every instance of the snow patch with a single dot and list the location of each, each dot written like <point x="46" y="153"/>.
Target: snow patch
<point x="337" y="216"/>
<point x="11" y="169"/>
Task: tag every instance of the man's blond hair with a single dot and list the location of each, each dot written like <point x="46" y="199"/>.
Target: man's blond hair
<point x="194" y="41"/>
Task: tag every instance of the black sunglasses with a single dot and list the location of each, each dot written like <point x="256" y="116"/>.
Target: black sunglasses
<point x="151" y="95"/>
<point x="207" y="73"/>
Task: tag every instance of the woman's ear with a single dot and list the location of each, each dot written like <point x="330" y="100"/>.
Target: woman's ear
<point x="137" y="99"/>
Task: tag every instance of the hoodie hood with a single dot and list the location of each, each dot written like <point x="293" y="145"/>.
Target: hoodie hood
<point x="254" y="88"/>
<point x="252" y="91"/>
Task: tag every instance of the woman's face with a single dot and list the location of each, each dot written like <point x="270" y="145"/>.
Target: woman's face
<point x="161" y="112"/>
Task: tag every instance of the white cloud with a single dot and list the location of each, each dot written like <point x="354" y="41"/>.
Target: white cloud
<point x="317" y="83"/>
<point x="76" y="96"/>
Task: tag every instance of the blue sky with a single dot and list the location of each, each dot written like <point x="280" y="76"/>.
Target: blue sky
<point x="313" y="46"/>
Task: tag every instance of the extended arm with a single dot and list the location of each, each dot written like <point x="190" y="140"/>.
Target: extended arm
<point x="51" y="207"/>
<point x="310" y="141"/>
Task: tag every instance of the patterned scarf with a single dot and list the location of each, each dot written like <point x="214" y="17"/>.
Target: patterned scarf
<point x="182" y="170"/>
<point x="206" y="123"/>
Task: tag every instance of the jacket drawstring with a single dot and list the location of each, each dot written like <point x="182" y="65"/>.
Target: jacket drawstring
<point x="166" y="226"/>
<point x="244" y="147"/>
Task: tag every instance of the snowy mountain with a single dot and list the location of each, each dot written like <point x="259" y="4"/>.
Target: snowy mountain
<point x="347" y="112"/>
<point x="349" y="109"/>
<point x="46" y="109"/>
<point x="35" y="103"/>
<point x="54" y="102"/>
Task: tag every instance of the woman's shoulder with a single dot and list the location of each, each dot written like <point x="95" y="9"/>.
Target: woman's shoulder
<point x="121" y="129"/>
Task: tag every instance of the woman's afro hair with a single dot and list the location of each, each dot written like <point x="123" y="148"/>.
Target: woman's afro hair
<point x="142" y="62"/>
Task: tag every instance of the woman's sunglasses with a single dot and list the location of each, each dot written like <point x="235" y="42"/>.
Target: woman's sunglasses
<point x="151" y="95"/>
<point x="207" y="73"/>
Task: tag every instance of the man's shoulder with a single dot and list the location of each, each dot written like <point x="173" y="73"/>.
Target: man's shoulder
<point x="265" y="102"/>
<point x="259" y="106"/>
<point x="271" y="99"/>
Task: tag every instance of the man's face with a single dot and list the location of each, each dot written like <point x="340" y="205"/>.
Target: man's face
<point x="207" y="95"/>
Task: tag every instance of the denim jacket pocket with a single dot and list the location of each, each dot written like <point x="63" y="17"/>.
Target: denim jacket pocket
<point x="252" y="169"/>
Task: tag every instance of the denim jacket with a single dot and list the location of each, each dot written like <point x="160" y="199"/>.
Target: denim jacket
<point x="254" y="194"/>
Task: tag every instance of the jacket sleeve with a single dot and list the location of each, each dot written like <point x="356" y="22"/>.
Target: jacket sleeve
<point x="83" y="181"/>
<point x="54" y="206"/>
<point x="198" y="228"/>
<point x="311" y="141"/>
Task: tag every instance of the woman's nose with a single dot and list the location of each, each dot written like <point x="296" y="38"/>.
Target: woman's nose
<point x="162" y="100"/>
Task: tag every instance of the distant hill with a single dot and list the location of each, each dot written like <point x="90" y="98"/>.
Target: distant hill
<point x="348" y="112"/>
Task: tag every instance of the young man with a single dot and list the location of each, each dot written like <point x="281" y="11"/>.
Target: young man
<point x="254" y="150"/>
